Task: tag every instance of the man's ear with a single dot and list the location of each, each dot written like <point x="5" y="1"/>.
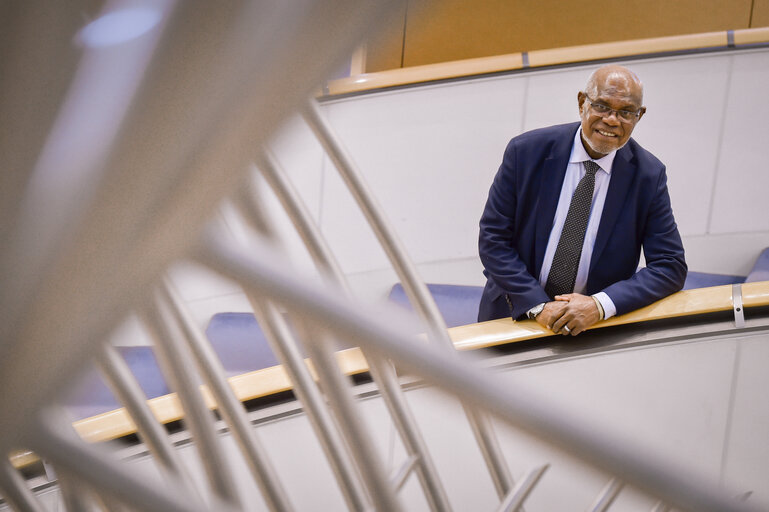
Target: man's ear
<point x="643" y="111"/>
<point x="581" y="96"/>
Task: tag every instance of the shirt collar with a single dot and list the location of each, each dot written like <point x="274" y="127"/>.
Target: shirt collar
<point x="579" y="154"/>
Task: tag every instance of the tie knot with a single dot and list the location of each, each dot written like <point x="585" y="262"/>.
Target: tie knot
<point x="591" y="167"/>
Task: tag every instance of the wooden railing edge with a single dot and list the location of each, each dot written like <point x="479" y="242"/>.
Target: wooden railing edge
<point x="547" y="57"/>
<point x="269" y="381"/>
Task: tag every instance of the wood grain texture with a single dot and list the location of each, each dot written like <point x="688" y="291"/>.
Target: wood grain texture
<point x="760" y="16"/>
<point x="752" y="35"/>
<point x="538" y="58"/>
<point x="462" y="29"/>
<point x="626" y="48"/>
<point x="426" y="73"/>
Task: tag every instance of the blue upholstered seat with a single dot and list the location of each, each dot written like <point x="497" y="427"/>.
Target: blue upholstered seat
<point x="236" y="338"/>
<point x="90" y="395"/>
<point x="458" y="304"/>
<point x="760" y="270"/>
<point x="704" y="280"/>
<point x="241" y="345"/>
<point x="239" y="342"/>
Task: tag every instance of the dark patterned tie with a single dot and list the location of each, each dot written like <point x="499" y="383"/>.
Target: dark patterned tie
<point x="563" y="272"/>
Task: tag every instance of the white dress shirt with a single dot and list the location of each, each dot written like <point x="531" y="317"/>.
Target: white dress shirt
<point x="575" y="170"/>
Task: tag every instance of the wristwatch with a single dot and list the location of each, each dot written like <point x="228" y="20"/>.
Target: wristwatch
<point x="536" y="310"/>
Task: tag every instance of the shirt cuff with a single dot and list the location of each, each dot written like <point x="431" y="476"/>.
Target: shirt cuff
<point x="609" y="309"/>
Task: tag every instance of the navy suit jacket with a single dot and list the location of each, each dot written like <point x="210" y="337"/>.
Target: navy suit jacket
<point x="519" y="213"/>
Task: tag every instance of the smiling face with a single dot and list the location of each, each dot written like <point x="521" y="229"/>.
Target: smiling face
<point x="617" y="88"/>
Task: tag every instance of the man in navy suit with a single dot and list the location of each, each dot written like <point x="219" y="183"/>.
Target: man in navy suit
<point x="533" y="196"/>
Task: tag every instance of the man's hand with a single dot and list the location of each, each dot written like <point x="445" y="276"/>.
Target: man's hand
<point x="577" y="314"/>
<point x="551" y="313"/>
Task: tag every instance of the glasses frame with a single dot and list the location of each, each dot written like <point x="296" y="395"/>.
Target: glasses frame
<point x="628" y="116"/>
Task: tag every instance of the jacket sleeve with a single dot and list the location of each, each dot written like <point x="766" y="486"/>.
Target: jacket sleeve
<point x="665" y="270"/>
<point x="497" y="243"/>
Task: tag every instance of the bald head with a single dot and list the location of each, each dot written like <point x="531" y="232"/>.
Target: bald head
<point x="613" y="76"/>
<point x="610" y="107"/>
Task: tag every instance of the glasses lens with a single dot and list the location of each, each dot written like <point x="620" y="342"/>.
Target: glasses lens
<point x="604" y="110"/>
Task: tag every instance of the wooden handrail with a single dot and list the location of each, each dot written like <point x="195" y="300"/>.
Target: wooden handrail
<point x="540" y="58"/>
<point x="269" y="381"/>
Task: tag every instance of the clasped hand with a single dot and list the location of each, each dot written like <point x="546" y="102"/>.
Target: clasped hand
<point x="569" y="314"/>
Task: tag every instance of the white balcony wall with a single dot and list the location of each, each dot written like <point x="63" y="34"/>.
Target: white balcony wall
<point x="430" y="152"/>
<point x="697" y="403"/>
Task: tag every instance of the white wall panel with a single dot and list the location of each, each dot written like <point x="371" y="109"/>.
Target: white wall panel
<point x="671" y="400"/>
<point x="746" y="462"/>
<point x="429" y="154"/>
<point x="730" y="253"/>
<point x="743" y="180"/>
<point x="300" y="156"/>
<point x="452" y="445"/>
<point x="682" y="127"/>
<point x="552" y="96"/>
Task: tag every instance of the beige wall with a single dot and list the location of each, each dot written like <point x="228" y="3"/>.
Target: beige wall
<point x="461" y="29"/>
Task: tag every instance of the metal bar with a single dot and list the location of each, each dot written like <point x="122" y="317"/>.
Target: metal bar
<point x="26" y="61"/>
<point x="14" y="489"/>
<point x="339" y="396"/>
<point x="75" y="496"/>
<point x="298" y="214"/>
<point x="399" y="478"/>
<point x="285" y="348"/>
<point x="524" y="408"/>
<point x="135" y="218"/>
<point x="177" y="367"/>
<point x="415" y="288"/>
<point x="110" y="504"/>
<point x="229" y="406"/>
<point x="52" y="437"/>
<point x="381" y="371"/>
<point x="129" y="392"/>
<point x="607" y="496"/>
<point x="739" y="311"/>
<point x="514" y="500"/>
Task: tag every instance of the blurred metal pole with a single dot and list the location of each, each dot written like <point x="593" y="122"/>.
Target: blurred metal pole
<point x="177" y="366"/>
<point x="607" y="496"/>
<point x="415" y="288"/>
<point x="335" y="385"/>
<point x="339" y="395"/>
<point x="221" y="75"/>
<point x="129" y="392"/>
<point x="14" y="489"/>
<point x="286" y="349"/>
<point x="229" y="406"/>
<point x="514" y="501"/>
<point x="382" y="372"/>
<point x="52" y="437"/>
<point x="75" y="496"/>
<point x="464" y="376"/>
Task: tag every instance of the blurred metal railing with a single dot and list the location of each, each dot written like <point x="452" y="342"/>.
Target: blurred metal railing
<point x="118" y="190"/>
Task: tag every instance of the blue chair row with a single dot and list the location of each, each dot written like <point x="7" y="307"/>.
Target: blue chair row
<point x="241" y="345"/>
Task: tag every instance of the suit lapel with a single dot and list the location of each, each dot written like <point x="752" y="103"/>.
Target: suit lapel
<point x="552" y="175"/>
<point x="621" y="177"/>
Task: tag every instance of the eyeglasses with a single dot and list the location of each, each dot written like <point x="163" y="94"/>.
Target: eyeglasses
<point x="605" y="111"/>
